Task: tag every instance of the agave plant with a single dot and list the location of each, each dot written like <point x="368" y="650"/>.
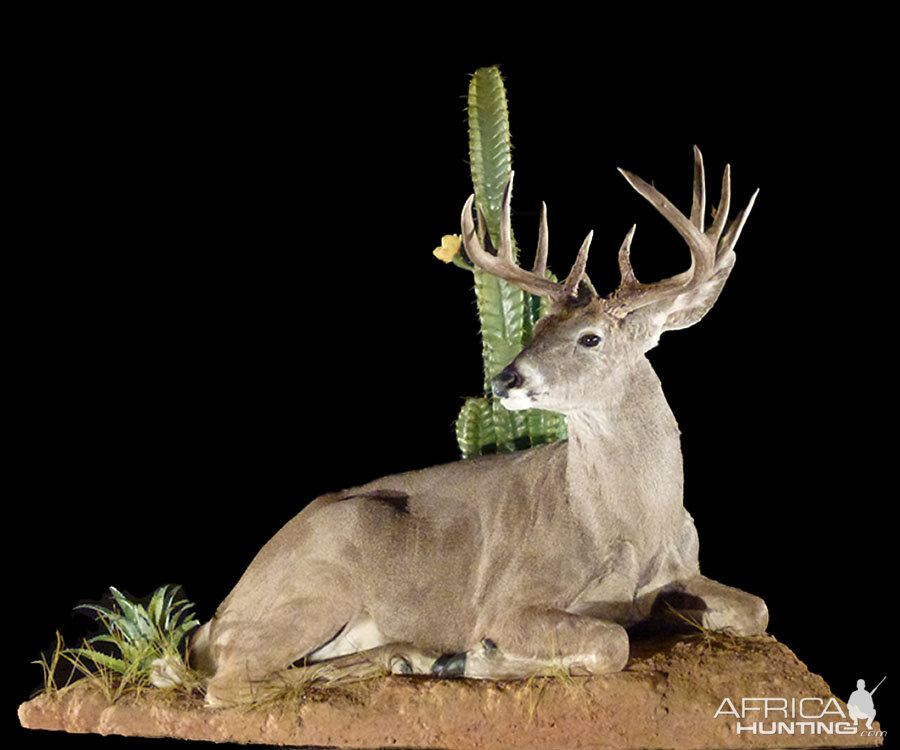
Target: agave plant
<point x="148" y="639"/>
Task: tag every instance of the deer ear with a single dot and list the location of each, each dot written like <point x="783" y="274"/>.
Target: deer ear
<point x="688" y="308"/>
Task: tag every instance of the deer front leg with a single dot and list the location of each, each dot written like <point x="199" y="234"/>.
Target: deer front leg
<point x="536" y="641"/>
<point x="715" y="606"/>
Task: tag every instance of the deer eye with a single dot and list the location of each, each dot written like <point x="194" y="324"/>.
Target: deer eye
<point x="589" y="339"/>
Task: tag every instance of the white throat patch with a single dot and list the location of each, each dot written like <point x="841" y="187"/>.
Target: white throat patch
<point x="517" y="400"/>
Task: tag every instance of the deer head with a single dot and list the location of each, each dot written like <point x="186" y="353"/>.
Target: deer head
<point x="588" y="341"/>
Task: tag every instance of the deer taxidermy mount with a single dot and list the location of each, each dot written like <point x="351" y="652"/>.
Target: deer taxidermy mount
<point x="511" y="565"/>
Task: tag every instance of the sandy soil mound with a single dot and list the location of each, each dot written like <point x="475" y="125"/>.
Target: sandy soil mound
<point x="666" y="698"/>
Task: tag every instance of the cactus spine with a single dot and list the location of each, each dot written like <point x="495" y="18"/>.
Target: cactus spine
<point x="507" y="314"/>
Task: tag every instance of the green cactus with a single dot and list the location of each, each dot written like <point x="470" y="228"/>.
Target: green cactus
<point x="507" y="313"/>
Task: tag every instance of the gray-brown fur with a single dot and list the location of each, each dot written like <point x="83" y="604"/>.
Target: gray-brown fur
<point x="523" y="562"/>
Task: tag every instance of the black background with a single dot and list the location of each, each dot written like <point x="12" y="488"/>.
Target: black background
<point x="226" y="302"/>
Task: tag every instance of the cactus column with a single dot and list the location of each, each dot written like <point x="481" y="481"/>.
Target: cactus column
<point x="507" y="314"/>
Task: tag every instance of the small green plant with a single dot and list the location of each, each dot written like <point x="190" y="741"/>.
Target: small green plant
<point x="149" y="640"/>
<point x="507" y="314"/>
<point x="49" y="666"/>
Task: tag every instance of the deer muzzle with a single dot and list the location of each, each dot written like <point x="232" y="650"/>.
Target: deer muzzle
<point x="509" y="378"/>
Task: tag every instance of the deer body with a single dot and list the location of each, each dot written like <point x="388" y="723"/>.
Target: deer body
<point x="508" y="565"/>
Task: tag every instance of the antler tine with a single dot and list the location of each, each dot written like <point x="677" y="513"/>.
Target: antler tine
<point x="570" y="286"/>
<point x="470" y="236"/>
<point x="629" y="280"/>
<point x="577" y="275"/>
<point x="540" y="258"/>
<point x="505" y="250"/>
<point x="730" y="238"/>
<point x="482" y="225"/>
<point x="698" y="206"/>
<point x="724" y="206"/>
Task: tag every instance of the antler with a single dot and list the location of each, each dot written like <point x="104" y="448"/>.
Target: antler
<point x="503" y="265"/>
<point x="710" y="249"/>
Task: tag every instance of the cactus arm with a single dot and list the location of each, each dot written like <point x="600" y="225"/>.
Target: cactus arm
<point x="475" y="427"/>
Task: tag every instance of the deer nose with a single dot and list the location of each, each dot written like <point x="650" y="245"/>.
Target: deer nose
<point x="510" y="377"/>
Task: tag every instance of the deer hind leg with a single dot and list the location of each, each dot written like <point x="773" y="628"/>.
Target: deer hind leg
<point x="248" y="651"/>
<point x="544" y="641"/>
<point x="714" y="606"/>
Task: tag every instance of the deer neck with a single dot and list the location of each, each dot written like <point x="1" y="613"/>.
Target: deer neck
<point x="624" y="467"/>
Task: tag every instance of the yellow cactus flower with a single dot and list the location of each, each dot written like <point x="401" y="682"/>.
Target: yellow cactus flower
<point x="449" y="247"/>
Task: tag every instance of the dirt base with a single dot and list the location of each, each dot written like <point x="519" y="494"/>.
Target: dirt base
<point x="666" y="698"/>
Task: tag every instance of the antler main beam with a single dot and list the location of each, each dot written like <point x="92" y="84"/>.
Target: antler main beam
<point x="503" y="265"/>
<point x="708" y="248"/>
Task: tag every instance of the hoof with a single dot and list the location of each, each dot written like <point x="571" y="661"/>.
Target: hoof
<point x="401" y="665"/>
<point x="450" y="665"/>
<point x="745" y="616"/>
<point x="166" y="672"/>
